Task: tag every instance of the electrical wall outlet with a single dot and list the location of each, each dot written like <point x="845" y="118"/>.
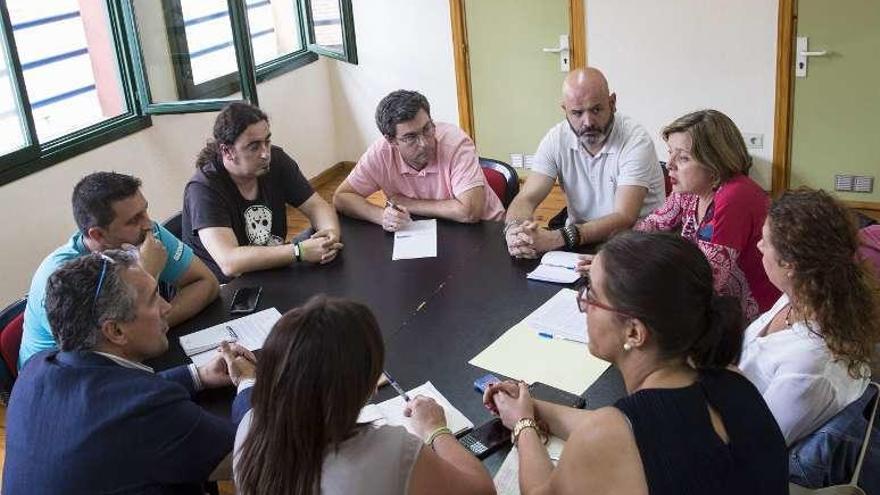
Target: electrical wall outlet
<point x="516" y="160"/>
<point x="843" y="182"/>
<point x="863" y="183"/>
<point x="754" y="141"/>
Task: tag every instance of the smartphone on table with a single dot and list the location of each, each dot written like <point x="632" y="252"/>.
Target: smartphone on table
<point x="245" y="300"/>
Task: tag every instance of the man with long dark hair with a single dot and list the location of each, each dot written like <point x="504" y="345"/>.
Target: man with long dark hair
<point x="234" y="212"/>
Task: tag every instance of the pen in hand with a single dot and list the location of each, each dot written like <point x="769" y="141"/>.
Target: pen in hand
<point x="396" y="386"/>
<point x="389" y="204"/>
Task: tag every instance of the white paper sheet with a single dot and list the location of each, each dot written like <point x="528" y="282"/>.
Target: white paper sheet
<point x="560" y="318"/>
<point x="417" y="240"/>
<point x="251" y="330"/>
<point x="390" y="412"/>
<point x="507" y="478"/>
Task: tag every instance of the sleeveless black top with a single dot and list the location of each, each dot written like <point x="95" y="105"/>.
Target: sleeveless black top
<point x="681" y="452"/>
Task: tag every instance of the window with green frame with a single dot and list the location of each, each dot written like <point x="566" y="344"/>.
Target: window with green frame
<point x="66" y="85"/>
<point x="75" y="75"/>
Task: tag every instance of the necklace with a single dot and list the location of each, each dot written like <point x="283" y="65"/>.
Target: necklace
<point x="788" y="315"/>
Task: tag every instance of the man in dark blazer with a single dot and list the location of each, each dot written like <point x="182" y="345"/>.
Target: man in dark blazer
<point x="92" y="418"/>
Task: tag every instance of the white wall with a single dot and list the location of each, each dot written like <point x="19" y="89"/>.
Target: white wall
<point x="37" y="216"/>
<point x="664" y="59"/>
<point x="401" y="44"/>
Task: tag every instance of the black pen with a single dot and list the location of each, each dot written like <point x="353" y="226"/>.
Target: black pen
<point x="396" y="386"/>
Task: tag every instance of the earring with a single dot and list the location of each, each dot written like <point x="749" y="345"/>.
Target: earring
<point x="627" y="346"/>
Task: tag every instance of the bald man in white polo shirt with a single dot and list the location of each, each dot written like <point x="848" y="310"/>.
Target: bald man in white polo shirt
<point x="605" y="163"/>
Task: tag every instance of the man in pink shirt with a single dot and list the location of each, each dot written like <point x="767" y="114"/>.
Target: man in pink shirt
<point x="425" y="169"/>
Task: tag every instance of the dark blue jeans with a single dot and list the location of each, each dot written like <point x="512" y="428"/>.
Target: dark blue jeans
<point x="828" y="456"/>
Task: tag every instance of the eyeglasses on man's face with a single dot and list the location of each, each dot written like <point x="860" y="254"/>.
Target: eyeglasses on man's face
<point x="412" y="138"/>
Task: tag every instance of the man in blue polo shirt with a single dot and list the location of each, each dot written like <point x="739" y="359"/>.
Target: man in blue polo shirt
<point x="111" y="213"/>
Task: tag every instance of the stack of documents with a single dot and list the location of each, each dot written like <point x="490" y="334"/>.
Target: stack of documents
<point x="390" y="412"/>
<point x="557" y="267"/>
<point x="560" y="318"/>
<point x="418" y="239"/>
<point x="523" y="354"/>
<point x="507" y="478"/>
<point x="248" y="331"/>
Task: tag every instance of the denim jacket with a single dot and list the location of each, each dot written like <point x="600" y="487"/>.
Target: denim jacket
<point x="828" y="456"/>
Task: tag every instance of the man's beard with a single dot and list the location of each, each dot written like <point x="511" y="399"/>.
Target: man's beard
<point x="593" y="136"/>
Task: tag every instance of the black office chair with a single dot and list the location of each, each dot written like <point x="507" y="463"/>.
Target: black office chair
<point x="502" y="179"/>
<point x="174" y="224"/>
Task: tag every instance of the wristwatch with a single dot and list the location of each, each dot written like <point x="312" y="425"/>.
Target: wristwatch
<point x="521" y="425"/>
<point x="296" y="251"/>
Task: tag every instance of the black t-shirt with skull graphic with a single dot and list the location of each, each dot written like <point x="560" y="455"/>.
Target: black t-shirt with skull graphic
<point x="212" y="200"/>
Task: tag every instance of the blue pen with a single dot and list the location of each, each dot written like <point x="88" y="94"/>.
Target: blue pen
<point x="396" y="386"/>
<point x="551" y="336"/>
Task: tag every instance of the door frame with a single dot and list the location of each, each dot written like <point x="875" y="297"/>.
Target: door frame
<point x="783" y="114"/>
<point x="578" y="40"/>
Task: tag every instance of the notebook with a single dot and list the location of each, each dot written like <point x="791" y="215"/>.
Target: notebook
<point x="557" y="267"/>
<point x="560" y="318"/>
<point x="248" y="331"/>
<point x="390" y="412"/>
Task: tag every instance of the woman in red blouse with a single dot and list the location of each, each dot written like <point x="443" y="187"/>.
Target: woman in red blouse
<point x="716" y="205"/>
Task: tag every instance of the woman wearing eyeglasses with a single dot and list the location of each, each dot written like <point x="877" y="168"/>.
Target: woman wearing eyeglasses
<point x="715" y="205"/>
<point x="688" y="425"/>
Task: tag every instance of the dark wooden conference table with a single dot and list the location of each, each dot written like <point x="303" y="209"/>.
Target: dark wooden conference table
<point x="435" y="313"/>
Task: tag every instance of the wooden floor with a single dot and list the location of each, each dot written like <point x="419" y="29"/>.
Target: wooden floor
<point x="296" y="222"/>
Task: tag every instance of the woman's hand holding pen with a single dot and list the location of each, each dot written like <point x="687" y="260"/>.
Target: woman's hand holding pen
<point x="426" y="415"/>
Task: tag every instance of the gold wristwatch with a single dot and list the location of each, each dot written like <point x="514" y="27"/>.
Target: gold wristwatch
<point x="521" y="425"/>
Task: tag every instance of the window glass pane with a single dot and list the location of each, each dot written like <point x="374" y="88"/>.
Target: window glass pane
<point x="328" y="24"/>
<point x="274" y="29"/>
<point x="13" y="131"/>
<point x="188" y="49"/>
<point x="69" y="63"/>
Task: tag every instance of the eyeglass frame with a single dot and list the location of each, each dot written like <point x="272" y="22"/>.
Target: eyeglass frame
<point x="427" y="132"/>
<point x="585" y="299"/>
<point x="100" y="285"/>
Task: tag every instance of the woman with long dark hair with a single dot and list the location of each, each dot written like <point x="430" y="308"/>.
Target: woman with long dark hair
<point x="318" y="368"/>
<point x="688" y="425"/>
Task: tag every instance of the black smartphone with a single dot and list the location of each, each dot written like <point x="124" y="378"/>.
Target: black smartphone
<point x="486" y="438"/>
<point x="542" y="391"/>
<point x="245" y="300"/>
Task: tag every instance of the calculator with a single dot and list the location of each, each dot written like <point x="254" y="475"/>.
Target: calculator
<point x="485" y="439"/>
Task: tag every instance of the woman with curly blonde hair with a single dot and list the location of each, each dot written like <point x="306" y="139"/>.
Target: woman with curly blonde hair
<point x="809" y="354"/>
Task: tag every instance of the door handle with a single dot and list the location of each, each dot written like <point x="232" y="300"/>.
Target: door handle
<point x="564" y="52"/>
<point x="803" y="55"/>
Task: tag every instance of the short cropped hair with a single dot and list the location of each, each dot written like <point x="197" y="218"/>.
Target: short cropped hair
<point x="717" y="143"/>
<point x="399" y="106"/>
<point x="94" y="195"/>
<point x="74" y="306"/>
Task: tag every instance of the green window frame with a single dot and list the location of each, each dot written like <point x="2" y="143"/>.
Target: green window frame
<point x="349" y="47"/>
<point x="38" y="155"/>
<point x="227" y="84"/>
